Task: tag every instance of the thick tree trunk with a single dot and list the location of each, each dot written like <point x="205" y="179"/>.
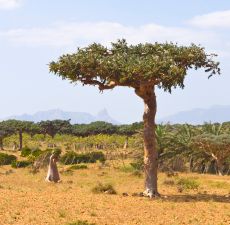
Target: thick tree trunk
<point x="1" y="144"/>
<point x="53" y="174"/>
<point x="219" y="167"/>
<point x="150" y="152"/>
<point x="191" y="164"/>
<point x="20" y="140"/>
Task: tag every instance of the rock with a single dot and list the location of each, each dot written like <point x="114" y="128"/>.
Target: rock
<point x="125" y="194"/>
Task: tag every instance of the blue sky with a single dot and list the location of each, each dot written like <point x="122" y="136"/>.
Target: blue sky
<point x="33" y="33"/>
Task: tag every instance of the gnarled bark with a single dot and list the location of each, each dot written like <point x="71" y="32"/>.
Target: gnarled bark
<point x="147" y="93"/>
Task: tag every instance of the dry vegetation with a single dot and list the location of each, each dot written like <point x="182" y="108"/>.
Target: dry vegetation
<point x="26" y="199"/>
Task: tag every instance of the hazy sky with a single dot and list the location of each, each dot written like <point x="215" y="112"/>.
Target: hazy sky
<point x="33" y="33"/>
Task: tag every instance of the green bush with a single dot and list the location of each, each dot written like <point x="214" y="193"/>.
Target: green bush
<point x="42" y="160"/>
<point x="20" y="164"/>
<point x="130" y="169"/>
<point x="28" y="151"/>
<point x="188" y="183"/>
<point x="36" y="152"/>
<point x="104" y="188"/>
<point x="75" y="158"/>
<point x="25" y="151"/>
<point x="97" y="156"/>
<point x="6" y="159"/>
<point x="138" y="165"/>
<point x="78" y="167"/>
<point x="31" y="158"/>
<point x="67" y="172"/>
<point x="57" y="151"/>
<point x="127" y="169"/>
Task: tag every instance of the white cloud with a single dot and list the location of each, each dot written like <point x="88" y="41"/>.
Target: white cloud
<point x="9" y="4"/>
<point x="219" y="19"/>
<point x="68" y="34"/>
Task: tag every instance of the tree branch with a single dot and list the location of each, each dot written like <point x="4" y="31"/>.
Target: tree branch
<point x="101" y="86"/>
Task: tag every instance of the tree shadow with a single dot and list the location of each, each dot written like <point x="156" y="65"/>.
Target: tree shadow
<point x="197" y="198"/>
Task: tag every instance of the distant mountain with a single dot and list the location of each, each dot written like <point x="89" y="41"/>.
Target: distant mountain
<point x="76" y="117"/>
<point x="215" y="113"/>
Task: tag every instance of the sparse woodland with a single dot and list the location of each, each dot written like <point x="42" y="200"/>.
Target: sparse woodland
<point x="102" y="175"/>
<point x="181" y="147"/>
<point x="102" y="166"/>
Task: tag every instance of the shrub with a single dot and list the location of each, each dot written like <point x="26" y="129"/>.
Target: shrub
<point x="104" y="188"/>
<point x="135" y="168"/>
<point x="81" y="222"/>
<point x="31" y="158"/>
<point x="36" y="152"/>
<point x="130" y="169"/>
<point x="75" y="158"/>
<point x="138" y="164"/>
<point x="137" y="173"/>
<point x="97" y="156"/>
<point x="169" y="182"/>
<point x="78" y="167"/>
<point x="20" y="164"/>
<point x="127" y="169"/>
<point x="219" y="184"/>
<point x="42" y="160"/>
<point x="27" y="152"/>
<point x="188" y="183"/>
<point x="67" y="172"/>
<point x="6" y="159"/>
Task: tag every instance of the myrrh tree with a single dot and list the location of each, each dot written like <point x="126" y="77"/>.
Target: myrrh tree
<point x="142" y="67"/>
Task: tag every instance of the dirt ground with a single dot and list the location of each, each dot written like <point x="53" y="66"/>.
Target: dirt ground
<point x="26" y="199"/>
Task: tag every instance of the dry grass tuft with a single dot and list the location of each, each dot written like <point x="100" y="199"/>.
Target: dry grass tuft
<point x="169" y="182"/>
<point x="81" y="222"/>
<point x="104" y="188"/>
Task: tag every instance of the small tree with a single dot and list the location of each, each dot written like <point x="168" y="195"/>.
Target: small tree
<point x="98" y="127"/>
<point x="215" y="146"/>
<point x="3" y="134"/>
<point x="17" y="126"/>
<point x="142" y="67"/>
<point x="52" y="127"/>
<point x="5" y="131"/>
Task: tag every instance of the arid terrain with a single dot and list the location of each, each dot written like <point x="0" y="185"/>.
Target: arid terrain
<point x="26" y="199"/>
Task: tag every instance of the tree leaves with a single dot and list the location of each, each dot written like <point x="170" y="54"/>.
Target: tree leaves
<point x="165" y="65"/>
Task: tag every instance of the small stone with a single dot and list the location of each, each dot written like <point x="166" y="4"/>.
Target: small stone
<point x="125" y="194"/>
